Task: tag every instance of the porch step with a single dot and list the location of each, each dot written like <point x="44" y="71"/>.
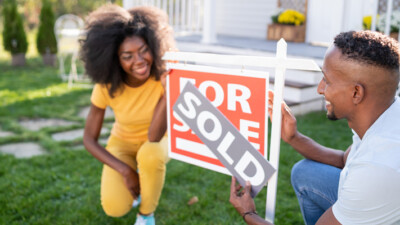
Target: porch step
<point x="300" y="90"/>
<point x="303" y="77"/>
<point x="301" y="108"/>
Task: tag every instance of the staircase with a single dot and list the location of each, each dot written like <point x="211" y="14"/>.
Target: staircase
<point x="300" y="92"/>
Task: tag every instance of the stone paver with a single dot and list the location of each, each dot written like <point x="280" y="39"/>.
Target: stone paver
<point x="22" y="150"/>
<point x="85" y="111"/>
<point x="77" y="147"/>
<point x="73" y="134"/>
<point x="37" y="124"/>
<point x="108" y="124"/>
<point x="5" y="133"/>
<point x="102" y="141"/>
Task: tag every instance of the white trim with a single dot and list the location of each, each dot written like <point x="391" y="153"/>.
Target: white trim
<point x="260" y="61"/>
<point x="194" y="147"/>
<point x="168" y="118"/>
<point x="223" y="71"/>
<point x="266" y="119"/>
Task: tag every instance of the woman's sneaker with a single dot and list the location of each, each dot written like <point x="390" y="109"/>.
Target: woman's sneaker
<point x="145" y="220"/>
<point x="136" y="202"/>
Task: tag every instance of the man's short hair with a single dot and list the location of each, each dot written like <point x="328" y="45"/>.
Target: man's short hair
<point x="372" y="48"/>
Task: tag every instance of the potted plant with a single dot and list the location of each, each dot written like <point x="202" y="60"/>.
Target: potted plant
<point x="46" y="42"/>
<point x="14" y="37"/>
<point x="381" y="23"/>
<point x="367" y="21"/>
<point x="288" y="24"/>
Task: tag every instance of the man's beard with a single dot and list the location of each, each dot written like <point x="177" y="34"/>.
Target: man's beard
<point x="331" y="116"/>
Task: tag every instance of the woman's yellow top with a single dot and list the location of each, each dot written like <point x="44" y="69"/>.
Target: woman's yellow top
<point x="133" y="108"/>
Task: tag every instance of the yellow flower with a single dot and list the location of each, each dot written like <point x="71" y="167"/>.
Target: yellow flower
<point x="367" y="21"/>
<point x="292" y="17"/>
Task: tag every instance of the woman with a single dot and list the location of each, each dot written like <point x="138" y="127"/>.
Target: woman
<point x="122" y="54"/>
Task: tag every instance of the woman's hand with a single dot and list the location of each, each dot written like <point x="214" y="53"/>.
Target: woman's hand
<point x="131" y="179"/>
<point x="93" y="126"/>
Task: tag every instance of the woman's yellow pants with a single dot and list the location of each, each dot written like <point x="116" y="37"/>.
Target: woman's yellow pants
<point x="150" y="158"/>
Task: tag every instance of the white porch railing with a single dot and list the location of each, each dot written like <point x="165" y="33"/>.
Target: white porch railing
<point x="185" y="16"/>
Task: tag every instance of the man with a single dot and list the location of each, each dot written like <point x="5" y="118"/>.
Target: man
<point x="362" y="184"/>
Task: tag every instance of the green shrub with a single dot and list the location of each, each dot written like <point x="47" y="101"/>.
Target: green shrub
<point x="46" y="40"/>
<point x="14" y="37"/>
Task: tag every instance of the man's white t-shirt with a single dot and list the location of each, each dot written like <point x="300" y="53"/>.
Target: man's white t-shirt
<point x="369" y="185"/>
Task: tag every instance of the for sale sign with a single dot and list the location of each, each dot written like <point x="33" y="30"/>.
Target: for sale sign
<point x="239" y="96"/>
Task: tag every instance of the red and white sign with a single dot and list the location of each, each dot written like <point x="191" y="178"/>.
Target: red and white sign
<point x="240" y="95"/>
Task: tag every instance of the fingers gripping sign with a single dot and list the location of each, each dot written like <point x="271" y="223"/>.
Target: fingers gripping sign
<point x="241" y="198"/>
<point x="289" y="123"/>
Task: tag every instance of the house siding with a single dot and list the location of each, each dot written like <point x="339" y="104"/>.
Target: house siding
<point x="244" y="18"/>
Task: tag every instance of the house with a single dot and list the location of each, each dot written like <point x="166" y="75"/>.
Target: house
<point x="249" y="19"/>
<point x="325" y="18"/>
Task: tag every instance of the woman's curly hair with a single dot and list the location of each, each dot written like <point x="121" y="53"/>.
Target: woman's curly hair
<point x="369" y="47"/>
<point x="107" y="28"/>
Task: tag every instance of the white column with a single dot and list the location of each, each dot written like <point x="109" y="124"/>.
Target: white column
<point x="320" y="25"/>
<point x="209" y="34"/>
<point x="388" y="16"/>
<point x="353" y="13"/>
<point x="375" y="12"/>
<point x="127" y="4"/>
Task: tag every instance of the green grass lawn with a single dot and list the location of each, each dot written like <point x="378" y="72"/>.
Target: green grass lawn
<point x="62" y="187"/>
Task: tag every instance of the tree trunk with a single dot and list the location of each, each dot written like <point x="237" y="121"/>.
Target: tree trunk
<point x="49" y="59"/>
<point x="18" y="59"/>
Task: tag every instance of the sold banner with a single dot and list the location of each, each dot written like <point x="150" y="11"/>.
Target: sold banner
<point x="232" y="149"/>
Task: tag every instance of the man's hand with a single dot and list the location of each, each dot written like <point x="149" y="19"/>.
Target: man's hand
<point x="244" y="204"/>
<point x="241" y="199"/>
<point x="289" y="123"/>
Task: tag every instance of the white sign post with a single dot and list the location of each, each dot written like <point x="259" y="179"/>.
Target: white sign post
<point x="276" y="131"/>
<point x="280" y="63"/>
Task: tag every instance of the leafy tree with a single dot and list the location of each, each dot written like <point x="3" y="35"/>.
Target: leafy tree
<point x="14" y="37"/>
<point x="46" y="40"/>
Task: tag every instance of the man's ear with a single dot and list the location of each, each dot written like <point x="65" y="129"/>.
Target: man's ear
<point x="358" y="93"/>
